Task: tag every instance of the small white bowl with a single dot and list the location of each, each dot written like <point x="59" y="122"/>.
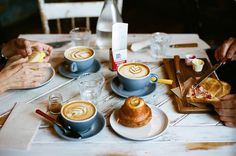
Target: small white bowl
<point x="198" y="65"/>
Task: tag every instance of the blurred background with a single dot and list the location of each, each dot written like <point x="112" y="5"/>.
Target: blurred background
<point x="213" y="20"/>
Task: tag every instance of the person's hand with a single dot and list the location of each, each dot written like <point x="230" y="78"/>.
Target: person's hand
<point x="21" y="74"/>
<point x="226" y="108"/>
<point x="227" y="51"/>
<point x="24" y="48"/>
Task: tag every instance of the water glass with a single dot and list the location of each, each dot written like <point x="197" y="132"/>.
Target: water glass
<point x="159" y="44"/>
<point x="80" y="36"/>
<point x="90" y="86"/>
<point x="55" y="103"/>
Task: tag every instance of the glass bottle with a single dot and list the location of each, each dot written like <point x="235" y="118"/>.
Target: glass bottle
<point x="109" y="15"/>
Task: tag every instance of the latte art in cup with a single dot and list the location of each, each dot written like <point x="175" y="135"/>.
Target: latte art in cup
<point x="134" y="70"/>
<point x="79" y="54"/>
<point x="78" y="110"/>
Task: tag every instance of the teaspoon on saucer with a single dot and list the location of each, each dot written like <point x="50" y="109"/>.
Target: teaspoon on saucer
<point x="67" y="131"/>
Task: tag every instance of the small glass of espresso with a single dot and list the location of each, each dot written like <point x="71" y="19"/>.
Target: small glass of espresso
<point x="55" y="103"/>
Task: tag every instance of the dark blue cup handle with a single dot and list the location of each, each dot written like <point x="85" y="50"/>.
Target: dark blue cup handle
<point x="73" y="67"/>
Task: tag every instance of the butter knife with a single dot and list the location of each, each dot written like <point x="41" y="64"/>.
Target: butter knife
<point x="208" y="73"/>
<point x="184" y="45"/>
<point x="178" y="73"/>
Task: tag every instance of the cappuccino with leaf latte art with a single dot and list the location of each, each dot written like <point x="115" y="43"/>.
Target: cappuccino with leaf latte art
<point x="79" y="53"/>
<point x="78" y="110"/>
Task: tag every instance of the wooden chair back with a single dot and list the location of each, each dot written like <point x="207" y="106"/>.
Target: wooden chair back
<point x="57" y="11"/>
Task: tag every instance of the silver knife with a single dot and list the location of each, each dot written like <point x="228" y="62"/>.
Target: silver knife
<point x="58" y="44"/>
<point x="216" y="66"/>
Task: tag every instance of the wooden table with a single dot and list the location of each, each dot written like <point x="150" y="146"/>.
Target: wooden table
<point x="190" y="134"/>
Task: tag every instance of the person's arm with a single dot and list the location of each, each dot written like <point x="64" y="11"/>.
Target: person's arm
<point x="24" y="47"/>
<point x="226" y="107"/>
<point x="21" y="74"/>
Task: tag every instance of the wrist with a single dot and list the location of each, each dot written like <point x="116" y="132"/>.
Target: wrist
<point x="7" y="49"/>
<point x="2" y="53"/>
<point x="3" y="85"/>
<point x="4" y="82"/>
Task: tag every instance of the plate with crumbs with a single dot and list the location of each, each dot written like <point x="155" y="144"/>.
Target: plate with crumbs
<point x="155" y="128"/>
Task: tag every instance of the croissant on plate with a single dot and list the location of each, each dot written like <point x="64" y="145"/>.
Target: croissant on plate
<point x="134" y="112"/>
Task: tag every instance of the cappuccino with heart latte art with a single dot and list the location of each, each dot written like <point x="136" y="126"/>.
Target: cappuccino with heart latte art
<point x="134" y="70"/>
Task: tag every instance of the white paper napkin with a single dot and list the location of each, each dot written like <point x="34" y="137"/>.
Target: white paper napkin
<point x="175" y="39"/>
<point x="186" y="38"/>
<point x="20" y="127"/>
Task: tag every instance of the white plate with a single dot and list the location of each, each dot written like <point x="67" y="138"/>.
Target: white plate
<point x="156" y="127"/>
<point x="50" y="73"/>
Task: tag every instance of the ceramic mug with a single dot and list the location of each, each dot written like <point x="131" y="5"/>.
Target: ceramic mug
<point x="79" y="58"/>
<point x="135" y="76"/>
<point x="79" y="115"/>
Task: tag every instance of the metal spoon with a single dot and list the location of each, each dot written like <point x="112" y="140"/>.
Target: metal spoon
<point x="67" y="131"/>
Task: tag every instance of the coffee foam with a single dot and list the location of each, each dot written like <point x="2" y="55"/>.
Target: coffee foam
<point x="79" y="53"/>
<point x="134" y="70"/>
<point x="78" y="110"/>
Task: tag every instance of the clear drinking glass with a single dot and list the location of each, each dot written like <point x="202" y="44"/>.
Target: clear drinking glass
<point x="90" y="86"/>
<point x="55" y="103"/>
<point x="159" y="44"/>
<point x="80" y="36"/>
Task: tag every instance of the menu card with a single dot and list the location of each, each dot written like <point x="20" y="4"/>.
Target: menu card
<point x="21" y="127"/>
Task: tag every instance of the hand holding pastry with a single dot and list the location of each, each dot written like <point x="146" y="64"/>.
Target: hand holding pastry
<point x="25" y="48"/>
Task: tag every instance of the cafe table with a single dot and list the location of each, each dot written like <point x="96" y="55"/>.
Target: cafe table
<point x="187" y="134"/>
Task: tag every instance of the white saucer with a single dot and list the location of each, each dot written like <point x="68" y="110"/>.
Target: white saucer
<point x="155" y="128"/>
<point x="96" y="128"/>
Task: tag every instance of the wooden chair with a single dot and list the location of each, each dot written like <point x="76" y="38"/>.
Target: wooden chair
<point x="57" y="11"/>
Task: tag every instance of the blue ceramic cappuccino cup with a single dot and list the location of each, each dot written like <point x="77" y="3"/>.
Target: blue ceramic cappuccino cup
<point x="134" y="75"/>
<point x="79" y="115"/>
<point x="79" y="58"/>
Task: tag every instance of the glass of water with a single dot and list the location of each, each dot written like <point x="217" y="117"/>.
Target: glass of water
<point x="159" y="44"/>
<point x="90" y="86"/>
<point x="80" y="36"/>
